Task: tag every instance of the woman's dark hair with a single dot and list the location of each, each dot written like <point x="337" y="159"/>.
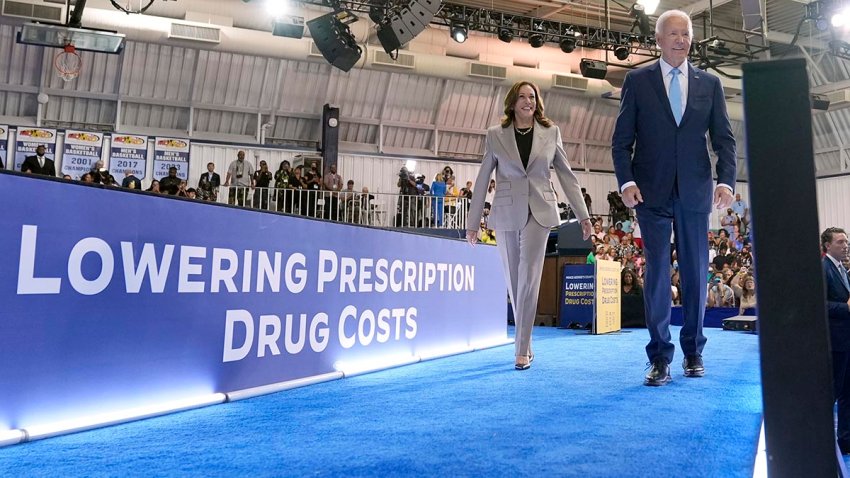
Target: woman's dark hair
<point x="633" y="275"/>
<point x="511" y="99"/>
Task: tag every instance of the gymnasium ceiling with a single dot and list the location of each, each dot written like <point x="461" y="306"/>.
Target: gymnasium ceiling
<point x="228" y="91"/>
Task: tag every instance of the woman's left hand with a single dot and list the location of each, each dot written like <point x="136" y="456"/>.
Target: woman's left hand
<point x="586" y="229"/>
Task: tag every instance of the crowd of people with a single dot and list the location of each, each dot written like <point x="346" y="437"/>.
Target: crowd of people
<point x="729" y="279"/>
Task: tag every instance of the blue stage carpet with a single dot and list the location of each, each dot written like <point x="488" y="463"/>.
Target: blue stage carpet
<point x="581" y="410"/>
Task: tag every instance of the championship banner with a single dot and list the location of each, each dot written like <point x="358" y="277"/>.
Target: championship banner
<point x="106" y="312"/>
<point x="28" y="139"/>
<point x="4" y="140"/>
<point x="128" y="151"/>
<point x="170" y="152"/>
<point x="577" y="296"/>
<point x="607" y="303"/>
<point x="81" y="151"/>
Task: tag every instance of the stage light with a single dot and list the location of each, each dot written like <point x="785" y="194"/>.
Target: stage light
<point x="649" y="6"/>
<point x="410" y="165"/>
<point x="459" y="31"/>
<point x="490" y="343"/>
<point x="445" y="352"/>
<point x="277" y="8"/>
<point x="621" y="52"/>
<point x="279" y="387"/>
<point x="358" y="367"/>
<point x="506" y="35"/>
<point x="121" y="416"/>
<point x="568" y="44"/>
<point x="536" y="40"/>
<point x="11" y="437"/>
<point x="840" y="19"/>
<point x="638" y="12"/>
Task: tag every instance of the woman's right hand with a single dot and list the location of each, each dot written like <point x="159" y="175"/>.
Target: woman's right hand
<point x="472" y="237"/>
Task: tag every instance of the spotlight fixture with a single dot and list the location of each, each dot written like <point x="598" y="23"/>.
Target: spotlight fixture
<point x="621" y="52"/>
<point x="638" y="12"/>
<point x="506" y="35"/>
<point x="568" y="44"/>
<point x="536" y="40"/>
<point x="459" y="31"/>
<point x="649" y="6"/>
<point x="718" y="47"/>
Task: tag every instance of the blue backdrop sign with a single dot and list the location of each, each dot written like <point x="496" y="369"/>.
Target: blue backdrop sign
<point x="81" y="151"/>
<point x="577" y="296"/>
<point x="102" y="313"/>
<point x="28" y="139"/>
<point x="170" y="152"/>
<point x="128" y="151"/>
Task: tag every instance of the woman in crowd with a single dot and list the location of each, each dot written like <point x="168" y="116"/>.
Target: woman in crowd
<point x="524" y="206"/>
<point x="451" y="196"/>
<point x="299" y="183"/>
<point x="744" y="285"/>
<point x="88" y="178"/>
<point x="281" y="183"/>
<point x="630" y="282"/>
<point x="438" y="190"/>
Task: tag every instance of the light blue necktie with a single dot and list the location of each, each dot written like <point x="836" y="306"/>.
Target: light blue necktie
<point x="675" y="95"/>
<point x="843" y="273"/>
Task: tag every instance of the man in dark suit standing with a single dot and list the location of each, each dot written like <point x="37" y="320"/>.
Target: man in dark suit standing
<point x="834" y="244"/>
<point x="209" y="183"/>
<point x="39" y="164"/>
<point x="663" y="169"/>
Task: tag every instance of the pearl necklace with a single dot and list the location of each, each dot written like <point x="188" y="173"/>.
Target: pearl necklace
<point x="524" y="131"/>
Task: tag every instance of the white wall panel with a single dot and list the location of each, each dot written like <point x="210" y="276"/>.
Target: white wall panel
<point x="833" y="203"/>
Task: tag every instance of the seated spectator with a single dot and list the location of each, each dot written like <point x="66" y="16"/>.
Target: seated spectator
<point x="64" y="176"/>
<point x="636" y="235"/>
<point x="487" y="236"/>
<point x="171" y="183"/>
<point x="626" y="246"/>
<point x="674" y="288"/>
<point x="744" y="286"/>
<point x="729" y="221"/>
<point x="720" y="294"/>
<point x="632" y="312"/>
<point x="154" y="188"/>
<point x="597" y="232"/>
<point x="191" y="193"/>
<point x="618" y="230"/>
<point x="612" y="238"/>
<point x="88" y="178"/>
<point x="350" y="204"/>
<point x="131" y="181"/>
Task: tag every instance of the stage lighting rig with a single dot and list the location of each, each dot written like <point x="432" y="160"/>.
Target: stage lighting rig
<point x="128" y="9"/>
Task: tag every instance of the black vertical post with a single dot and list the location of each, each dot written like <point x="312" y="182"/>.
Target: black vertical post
<point x="796" y="365"/>
<point x="330" y="136"/>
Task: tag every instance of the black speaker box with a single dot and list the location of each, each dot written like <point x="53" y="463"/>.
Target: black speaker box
<point x="593" y="68"/>
<point x="335" y="41"/>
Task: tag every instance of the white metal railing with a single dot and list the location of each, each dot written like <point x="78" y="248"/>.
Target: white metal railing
<point x="377" y="209"/>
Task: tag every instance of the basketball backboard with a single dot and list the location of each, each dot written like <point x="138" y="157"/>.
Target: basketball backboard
<point x="83" y="39"/>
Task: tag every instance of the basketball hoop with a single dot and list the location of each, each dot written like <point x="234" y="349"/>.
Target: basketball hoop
<point x="68" y="63"/>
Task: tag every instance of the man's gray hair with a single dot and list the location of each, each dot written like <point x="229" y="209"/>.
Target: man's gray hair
<point x="673" y="13"/>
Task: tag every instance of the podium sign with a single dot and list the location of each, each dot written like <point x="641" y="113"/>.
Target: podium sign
<point x="607" y="301"/>
<point x="577" y="295"/>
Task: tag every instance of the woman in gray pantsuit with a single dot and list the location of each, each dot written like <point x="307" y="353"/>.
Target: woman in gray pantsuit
<point x="522" y="150"/>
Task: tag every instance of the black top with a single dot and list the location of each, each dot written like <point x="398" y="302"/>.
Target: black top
<point x="523" y="143"/>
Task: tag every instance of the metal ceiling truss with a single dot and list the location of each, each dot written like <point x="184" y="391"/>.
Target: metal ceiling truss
<point x="713" y="52"/>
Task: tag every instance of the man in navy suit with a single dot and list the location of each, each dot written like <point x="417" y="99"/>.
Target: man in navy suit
<point x="834" y="244"/>
<point x="664" y="172"/>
